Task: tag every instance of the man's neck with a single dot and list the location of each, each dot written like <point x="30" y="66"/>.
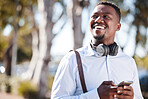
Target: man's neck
<point x="97" y="42"/>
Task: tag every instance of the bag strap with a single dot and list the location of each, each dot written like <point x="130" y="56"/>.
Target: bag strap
<point x="81" y="74"/>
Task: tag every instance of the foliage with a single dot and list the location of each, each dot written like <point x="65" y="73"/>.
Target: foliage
<point x="50" y="82"/>
<point x="17" y="16"/>
<point x="11" y="82"/>
<point x="4" y="82"/>
<point x="143" y="62"/>
<point x="140" y="20"/>
<point x="135" y="15"/>
<point x="28" y="90"/>
<point x="24" y="51"/>
<point x="7" y="12"/>
<point x="3" y="45"/>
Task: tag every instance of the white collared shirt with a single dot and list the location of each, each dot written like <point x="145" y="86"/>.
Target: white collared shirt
<point x="96" y="70"/>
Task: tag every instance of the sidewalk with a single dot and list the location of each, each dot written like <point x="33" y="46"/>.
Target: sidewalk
<point x="9" y="96"/>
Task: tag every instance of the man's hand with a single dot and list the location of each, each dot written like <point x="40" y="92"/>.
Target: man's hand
<point x="125" y="92"/>
<point x="107" y="90"/>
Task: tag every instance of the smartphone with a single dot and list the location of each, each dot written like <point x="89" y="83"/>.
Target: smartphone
<point x="125" y="83"/>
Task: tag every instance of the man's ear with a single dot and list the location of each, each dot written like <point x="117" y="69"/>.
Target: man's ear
<point x="118" y="26"/>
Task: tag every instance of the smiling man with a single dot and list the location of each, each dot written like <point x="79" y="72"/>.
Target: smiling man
<point x="104" y="66"/>
<point x="104" y="22"/>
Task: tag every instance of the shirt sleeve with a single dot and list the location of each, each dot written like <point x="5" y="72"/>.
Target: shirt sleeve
<point x="64" y="85"/>
<point x="136" y="85"/>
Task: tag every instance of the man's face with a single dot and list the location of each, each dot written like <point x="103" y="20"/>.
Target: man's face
<point x="104" y="22"/>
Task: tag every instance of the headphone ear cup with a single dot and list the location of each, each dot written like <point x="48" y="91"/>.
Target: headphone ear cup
<point x="102" y="50"/>
<point x="113" y="49"/>
<point x="107" y="50"/>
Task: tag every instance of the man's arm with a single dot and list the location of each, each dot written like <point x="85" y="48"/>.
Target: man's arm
<point x="133" y="91"/>
<point x="136" y="85"/>
<point x="64" y="85"/>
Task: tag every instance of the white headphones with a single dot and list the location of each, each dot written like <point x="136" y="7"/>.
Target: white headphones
<point x="104" y="50"/>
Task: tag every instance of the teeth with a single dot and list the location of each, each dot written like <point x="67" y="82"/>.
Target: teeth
<point x="100" y="27"/>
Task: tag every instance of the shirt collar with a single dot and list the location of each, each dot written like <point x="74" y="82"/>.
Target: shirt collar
<point x="90" y="52"/>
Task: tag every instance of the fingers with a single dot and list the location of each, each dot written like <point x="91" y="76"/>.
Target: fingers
<point x="110" y="86"/>
<point x="109" y="83"/>
<point x="105" y="91"/>
<point x="125" y="92"/>
<point x="113" y="88"/>
<point x="122" y="97"/>
<point x="128" y="90"/>
<point x="119" y="90"/>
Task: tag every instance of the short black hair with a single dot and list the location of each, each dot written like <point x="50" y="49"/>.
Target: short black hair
<point x="117" y="9"/>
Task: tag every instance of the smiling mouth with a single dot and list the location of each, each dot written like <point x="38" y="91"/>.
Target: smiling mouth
<point x="99" y="26"/>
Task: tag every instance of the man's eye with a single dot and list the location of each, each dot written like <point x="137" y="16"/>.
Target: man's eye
<point x="107" y="17"/>
<point x="94" y="16"/>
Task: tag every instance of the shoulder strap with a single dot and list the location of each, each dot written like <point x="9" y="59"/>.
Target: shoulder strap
<point x="80" y="69"/>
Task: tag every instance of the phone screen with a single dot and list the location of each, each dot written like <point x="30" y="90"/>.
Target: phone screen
<point x="125" y="83"/>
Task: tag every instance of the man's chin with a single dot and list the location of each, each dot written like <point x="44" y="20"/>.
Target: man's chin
<point x="99" y="35"/>
<point x="98" y="38"/>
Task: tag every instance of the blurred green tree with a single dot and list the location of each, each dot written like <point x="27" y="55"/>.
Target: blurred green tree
<point x="15" y="14"/>
<point x="140" y="22"/>
<point x="48" y="19"/>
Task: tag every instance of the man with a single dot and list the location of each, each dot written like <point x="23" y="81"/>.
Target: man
<point x="104" y="66"/>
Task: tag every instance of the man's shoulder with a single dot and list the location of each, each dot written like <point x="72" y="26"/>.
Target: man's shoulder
<point x="125" y="56"/>
<point x="71" y="53"/>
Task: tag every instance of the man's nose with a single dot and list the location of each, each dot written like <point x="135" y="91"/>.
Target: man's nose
<point x="99" y="19"/>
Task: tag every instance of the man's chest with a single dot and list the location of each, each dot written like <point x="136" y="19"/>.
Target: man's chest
<point x="98" y="70"/>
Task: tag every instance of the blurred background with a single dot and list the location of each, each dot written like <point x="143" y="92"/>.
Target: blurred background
<point x="36" y="34"/>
